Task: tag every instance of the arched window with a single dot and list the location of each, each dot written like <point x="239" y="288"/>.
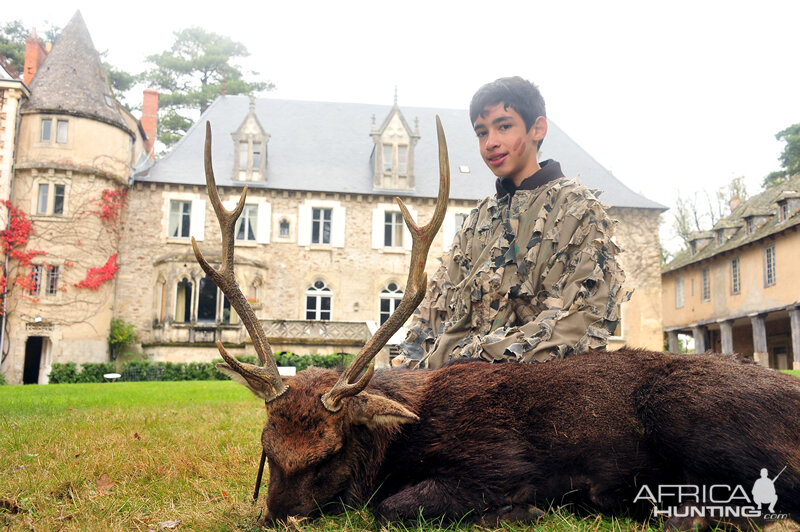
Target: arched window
<point x="207" y="300"/>
<point x="183" y="301"/>
<point x="389" y="299"/>
<point x="318" y="301"/>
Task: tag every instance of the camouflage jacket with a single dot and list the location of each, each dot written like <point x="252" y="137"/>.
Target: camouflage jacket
<point x="530" y="277"/>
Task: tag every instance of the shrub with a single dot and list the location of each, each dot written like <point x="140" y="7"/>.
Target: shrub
<point x="121" y="335"/>
<point x="2" y="380"/>
<point x="143" y="370"/>
<point x="64" y="373"/>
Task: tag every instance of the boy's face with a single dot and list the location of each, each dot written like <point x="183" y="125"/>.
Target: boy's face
<point x="507" y="147"/>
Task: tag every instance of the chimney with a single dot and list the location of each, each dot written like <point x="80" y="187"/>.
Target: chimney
<point x="735" y="201"/>
<point x="34" y="57"/>
<point x="150" y="119"/>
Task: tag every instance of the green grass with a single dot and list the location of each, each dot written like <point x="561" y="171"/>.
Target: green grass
<point x="795" y="372"/>
<point x="128" y="456"/>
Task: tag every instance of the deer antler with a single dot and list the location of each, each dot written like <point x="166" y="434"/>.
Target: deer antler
<point x="225" y="280"/>
<point x="349" y="384"/>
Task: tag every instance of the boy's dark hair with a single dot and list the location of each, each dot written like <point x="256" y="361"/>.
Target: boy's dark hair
<point x="519" y="94"/>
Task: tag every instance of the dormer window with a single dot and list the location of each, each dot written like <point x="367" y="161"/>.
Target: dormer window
<point x="393" y="155"/>
<point x="783" y="211"/>
<point x="250" y="163"/>
<point x="749" y="226"/>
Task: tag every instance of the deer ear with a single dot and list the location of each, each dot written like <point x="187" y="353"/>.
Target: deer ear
<point x="251" y="379"/>
<point x="376" y="411"/>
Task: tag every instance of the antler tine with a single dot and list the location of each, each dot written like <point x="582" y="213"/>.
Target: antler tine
<point x="224" y="278"/>
<point x="349" y="384"/>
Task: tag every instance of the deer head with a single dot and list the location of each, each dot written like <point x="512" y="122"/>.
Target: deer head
<point x="321" y="426"/>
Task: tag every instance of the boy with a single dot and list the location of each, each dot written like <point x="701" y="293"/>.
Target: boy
<point x="532" y="274"/>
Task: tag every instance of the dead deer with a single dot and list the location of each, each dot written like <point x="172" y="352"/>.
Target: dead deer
<point x="602" y="430"/>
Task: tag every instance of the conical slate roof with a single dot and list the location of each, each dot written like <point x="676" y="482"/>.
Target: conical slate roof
<point x="72" y="80"/>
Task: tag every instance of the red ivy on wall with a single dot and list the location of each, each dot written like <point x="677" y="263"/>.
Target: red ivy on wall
<point x="97" y="276"/>
<point x="14" y="238"/>
<point x="111" y="205"/>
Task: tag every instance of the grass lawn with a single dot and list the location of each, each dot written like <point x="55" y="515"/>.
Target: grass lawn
<point x="137" y="456"/>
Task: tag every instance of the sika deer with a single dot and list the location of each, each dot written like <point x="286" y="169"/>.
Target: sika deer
<point x="615" y="431"/>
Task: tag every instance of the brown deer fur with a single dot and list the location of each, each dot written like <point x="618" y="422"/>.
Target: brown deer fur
<point x="484" y="440"/>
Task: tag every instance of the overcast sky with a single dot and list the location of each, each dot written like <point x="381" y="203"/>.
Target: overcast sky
<point x="669" y="96"/>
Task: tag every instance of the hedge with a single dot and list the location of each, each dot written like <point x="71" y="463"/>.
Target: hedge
<point x="142" y="370"/>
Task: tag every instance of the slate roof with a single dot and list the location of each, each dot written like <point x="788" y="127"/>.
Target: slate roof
<point x="71" y="80"/>
<point x="326" y="147"/>
<point x="764" y="204"/>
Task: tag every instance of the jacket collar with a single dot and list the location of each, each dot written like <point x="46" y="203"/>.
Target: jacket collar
<point x="549" y="170"/>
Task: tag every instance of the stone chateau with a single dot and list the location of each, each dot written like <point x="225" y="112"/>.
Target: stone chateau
<point x="322" y="254"/>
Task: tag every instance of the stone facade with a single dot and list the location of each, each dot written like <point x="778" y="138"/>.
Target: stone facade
<point x="277" y="275"/>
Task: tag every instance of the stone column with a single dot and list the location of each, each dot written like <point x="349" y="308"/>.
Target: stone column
<point x="726" y="333"/>
<point x="699" y="339"/>
<point x="794" y="319"/>
<point x="760" y="352"/>
<point x="672" y="341"/>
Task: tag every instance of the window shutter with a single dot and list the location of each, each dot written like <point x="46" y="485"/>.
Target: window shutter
<point x="377" y="228"/>
<point x="407" y="242"/>
<point x="337" y="227"/>
<point x="264" y="222"/>
<point x="304" y="225"/>
<point x="448" y="230"/>
<point x="198" y="223"/>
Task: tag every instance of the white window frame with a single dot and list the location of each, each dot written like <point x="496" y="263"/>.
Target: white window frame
<point x="197" y="217"/>
<point x="304" y="223"/>
<point x="620" y="324"/>
<point x="392" y="296"/>
<point x="680" y="299"/>
<point x="263" y="224"/>
<point x="379" y="228"/>
<point x="318" y="293"/>
<point x="450" y="226"/>
<point x="770" y="272"/>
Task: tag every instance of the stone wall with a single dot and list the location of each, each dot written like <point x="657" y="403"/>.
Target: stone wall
<point x="637" y="235"/>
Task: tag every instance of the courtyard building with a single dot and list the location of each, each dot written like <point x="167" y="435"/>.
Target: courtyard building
<point x="734" y="290"/>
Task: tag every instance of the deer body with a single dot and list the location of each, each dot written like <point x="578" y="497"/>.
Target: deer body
<point x="590" y="429"/>
<point x="490" y="441"/>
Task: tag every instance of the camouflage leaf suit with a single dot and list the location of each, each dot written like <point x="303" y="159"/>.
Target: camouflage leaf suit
<point x="531" y="276"/>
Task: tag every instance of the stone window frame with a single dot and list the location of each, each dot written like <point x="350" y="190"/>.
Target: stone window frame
<point x="52" y="184"/>
<point x="253" y="173"/>
<point x="51" y="283"/>
<point x="55" y="130"/>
